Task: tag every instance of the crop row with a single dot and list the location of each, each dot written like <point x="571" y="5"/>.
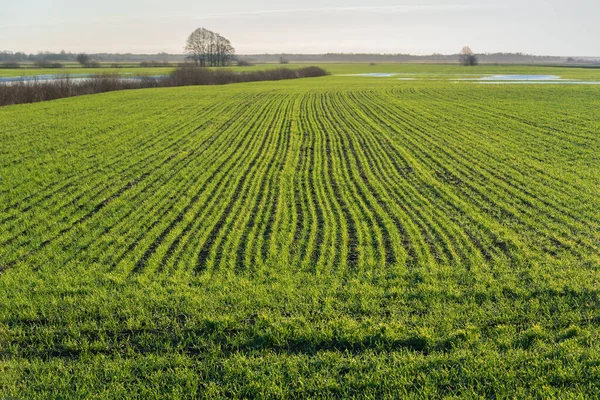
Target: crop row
<point x="349" y="182"/>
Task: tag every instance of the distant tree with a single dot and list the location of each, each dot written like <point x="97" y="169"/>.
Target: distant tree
<point x="225" y="53"/>
<point x="196" y="46"/>
<point x="92" y="64"/>
<point x="467" y="57"/>
<point x="83" y="58"/>
<point x="283" y="60"/>
<point x="243" y="63"/>
<point x="208" y="48"/>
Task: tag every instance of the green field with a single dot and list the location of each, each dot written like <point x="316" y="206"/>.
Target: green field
<point x="326" y="237"/>
<point x="128" y="70"/>
<point x="443" y="70"/>
<point x="76" y="71"/>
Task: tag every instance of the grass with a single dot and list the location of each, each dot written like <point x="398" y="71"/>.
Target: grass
<point x="77" y="71"/>
<point x="129" y="70"/>
<point x="565" y="72"/>
<point x="337" y="69"/>
<point x="331" y="237"/>
<point x="33" y="91"/>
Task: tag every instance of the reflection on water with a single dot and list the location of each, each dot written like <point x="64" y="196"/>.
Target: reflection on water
<point x="406" y="76"/>
<point x="49" y="77"/>
<point x="521" y="78"/>
<point x="482" y="78"/>
<point x="559" y="82"/>
<point x="71" y="77"/>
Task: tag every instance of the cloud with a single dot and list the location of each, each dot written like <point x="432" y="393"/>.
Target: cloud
<point x="372" y="9"/>
<point x="395" y="9"/>
<point x="365" y="8"/>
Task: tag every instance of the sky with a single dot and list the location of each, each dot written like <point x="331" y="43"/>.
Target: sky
<point x="543" y="27"/>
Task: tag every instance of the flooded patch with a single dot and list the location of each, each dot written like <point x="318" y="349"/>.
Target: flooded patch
<point x="521" y="78"/>
<point x="557" y="82"/>
<point x="532" y="79"/>
<point x="50" y="77"/>
<point x="373" y="74"/>
<point x="128" y="77"/>
<point x="506" y="79"/>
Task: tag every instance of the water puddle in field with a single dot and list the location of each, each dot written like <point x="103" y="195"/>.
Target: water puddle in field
<point x="40" y="78"/>
<point x="520" y="78"/>
<point x="531" y="80"/>
<point x="561" y="82"/>
<point x="11" y="80"/>
<point x="489" y="79"/>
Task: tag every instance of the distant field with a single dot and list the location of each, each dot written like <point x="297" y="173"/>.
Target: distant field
<point x="334" y="236"/>
<point x="75" y="70"/>
<point x="566" y="72"/>
<point x="574" y="73"/>
<point x="127" y="70"/>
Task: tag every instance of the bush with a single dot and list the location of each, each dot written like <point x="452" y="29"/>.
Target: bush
<point x="11" y="64"/>
<point x="92" y="64"/>
<point x="46" y="64"/>
<point x="83" y="59"/>
<point x="36" y="90"/>
<point x="187" y="75"/>
<point x="469" y="60"/>
<point x="150" y="64"/>
<point x="244" y="63"/>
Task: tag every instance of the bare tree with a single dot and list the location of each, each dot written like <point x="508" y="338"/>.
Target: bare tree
<point x="208" y="48"/>
<point x="196" y="46"/>
<point x="467" y="57"/>
<point x="225" y="53"/>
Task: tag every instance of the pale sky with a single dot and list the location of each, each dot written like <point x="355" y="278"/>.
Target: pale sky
<point x="544" y="27"/>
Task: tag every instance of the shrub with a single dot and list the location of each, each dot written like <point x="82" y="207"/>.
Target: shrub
<point x="187" y="75"/>
<point x="37" y="90"/>
<point x="11" y="64"/>
<point x="83" y="59"/>
<point x="92" y="64"/>
<point x="47" y="64"/>
<point x="150" y="64"/>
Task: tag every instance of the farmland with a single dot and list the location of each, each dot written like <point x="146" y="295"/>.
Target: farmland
<point x="332" y="237"/>
<point x="336" y="69"/>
